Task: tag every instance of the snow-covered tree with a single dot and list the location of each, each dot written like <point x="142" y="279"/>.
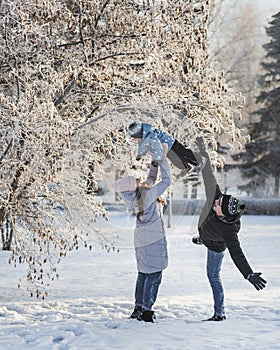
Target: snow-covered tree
<point x="261" y="157"/>
<point x="234" y="38"/>
<point x="73" y="74"/>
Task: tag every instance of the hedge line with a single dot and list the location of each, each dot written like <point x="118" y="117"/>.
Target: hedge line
<point x="260" y="206"/>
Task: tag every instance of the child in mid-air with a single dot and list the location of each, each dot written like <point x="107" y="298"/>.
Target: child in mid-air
<point x="161" y="145"/>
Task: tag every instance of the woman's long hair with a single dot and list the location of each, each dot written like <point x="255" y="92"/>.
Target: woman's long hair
<point x="140" y="193"/>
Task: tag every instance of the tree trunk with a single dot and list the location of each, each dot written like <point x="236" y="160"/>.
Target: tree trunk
<point x="7" y="234"/>
<point x="276" y="186"/>
<point x="169" y="206"/>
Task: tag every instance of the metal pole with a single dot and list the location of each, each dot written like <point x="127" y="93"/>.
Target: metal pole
<point x="169" y="202"/>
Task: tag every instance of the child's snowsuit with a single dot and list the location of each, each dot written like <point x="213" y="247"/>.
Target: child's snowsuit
<point x="152" y="140"/>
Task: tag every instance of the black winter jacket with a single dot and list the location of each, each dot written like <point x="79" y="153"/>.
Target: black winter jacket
<point x="219" y="233"/>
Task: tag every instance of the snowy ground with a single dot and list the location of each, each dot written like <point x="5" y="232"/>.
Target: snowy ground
<point x="89" y="305"/>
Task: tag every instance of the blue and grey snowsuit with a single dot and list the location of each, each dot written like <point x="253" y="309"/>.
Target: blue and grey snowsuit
<point x="152" y="142"/>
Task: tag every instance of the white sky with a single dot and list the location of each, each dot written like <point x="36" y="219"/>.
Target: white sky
<point x="267" y="7"/>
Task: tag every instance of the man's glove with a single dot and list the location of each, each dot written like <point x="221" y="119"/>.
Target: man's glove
<point x="257" y="281"/>
<point x="201" y="146"/>
<point x="154" y="163"/>
<point x="197" y="240"/>
<point x="200" y="143"/>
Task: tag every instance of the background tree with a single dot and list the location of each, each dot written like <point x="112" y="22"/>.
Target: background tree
<point x="73" y="74"/>
<point x="261" y="156"/>
<point x="236" y="31"/>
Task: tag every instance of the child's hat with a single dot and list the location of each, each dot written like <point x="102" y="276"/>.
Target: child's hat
<point x="135" y="130"/>
<point x="126" y="184"/>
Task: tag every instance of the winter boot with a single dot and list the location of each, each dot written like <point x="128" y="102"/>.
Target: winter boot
<point x="187" y="170"/>
<point x="137" y="312"/>
<point x="216" y="318"/>
<point x="193" y="173"/>
<point x="148" y="316"/>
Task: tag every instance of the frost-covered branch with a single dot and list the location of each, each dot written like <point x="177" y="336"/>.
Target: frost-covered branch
<point x="72" y="78"/>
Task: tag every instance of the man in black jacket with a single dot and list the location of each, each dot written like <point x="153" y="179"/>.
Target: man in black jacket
<point x="218" y="226"/>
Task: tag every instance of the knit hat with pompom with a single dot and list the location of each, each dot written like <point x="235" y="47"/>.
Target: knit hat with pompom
<point x="231" y="205"/>
<point x="126" y="184"/>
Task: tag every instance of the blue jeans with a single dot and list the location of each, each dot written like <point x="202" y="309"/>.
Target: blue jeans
<point x="214" y="264"/>
<point x="146" y="290"/>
